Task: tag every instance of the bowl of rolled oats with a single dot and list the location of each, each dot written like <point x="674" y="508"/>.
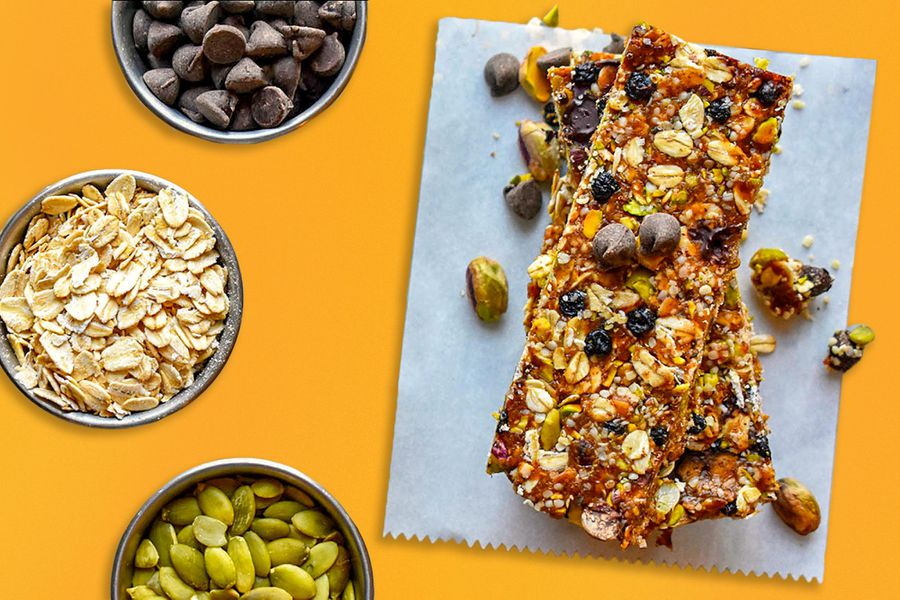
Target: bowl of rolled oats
<point x="121" y="298"/>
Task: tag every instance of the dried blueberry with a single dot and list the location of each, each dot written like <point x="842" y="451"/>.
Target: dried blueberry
<point x="659" y="435"/>
<point x="768" y="93"/>
<point x="571" y="303"/>
<point x="641" y="321"/>
<point x="616" y="426"/>
<point x="550" y="116"/>
<point x="729" y="509"/>
<point x="603" y="186"/>
<point x="761" y="446"/>
<point x="586" y="73"/>
<point x="597" y="343"/>
<point x="698" y="424"/>
<point x="639" y="86"/>
<point x="719" y="110"/>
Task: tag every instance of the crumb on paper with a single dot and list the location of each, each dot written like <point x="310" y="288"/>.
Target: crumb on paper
<point x="495" y="135"/>
<point x="798" y="104"/>
<point x="808" y="241"/>
<point x="826" y="299"/>
<point x="777" y="149"/>
<point x="762" y="198"/>
<point x="761" y="63"/>
<point x="811" y="257"/>
<point x="804" y="62"/>
<point x="798" y="90"/>
<point x="493" y="155"/>
<point x="835" y="264"/>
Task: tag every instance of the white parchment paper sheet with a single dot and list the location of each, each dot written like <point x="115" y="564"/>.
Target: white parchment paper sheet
<point x="455" y="370"/>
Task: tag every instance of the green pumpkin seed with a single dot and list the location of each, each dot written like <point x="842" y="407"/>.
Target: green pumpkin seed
<point x="244" y="502"/>
<point x="201" y="596"/>
<point x="261" y="582"/>
<point x="186" y="537"/>
<point x="268" y="488"/>
<point x="141" y="576"/>
<point x="293" y="533"/>
<point x="287" y="551"/>
<point x="300" y="496"/>
<point x="266" y="593"/>
<point x="226" y="484"/>
<point x="224" y="595"/>
<point x="323" y="588"/>
<point x="162" y="535"/>
<point x="181" y="512"/>
<point x="313" y="523"/>
<point x="321" y="558"/>
<point x="245" y="572"/>
<point x="146" y="556"/>
<point x="339" y="573"/>
<point x="190" y="566"/>
<point x="349" y="592"/>
<point x="294" y="580"/>
<point x="209" y="531"/>
<point x="284" y="510"/>
<point x="220" y="567"/>
<point x="153" y="584"/>
<point x="270" y="529"/>
<point x="173" y="586"/>
<point x="142" y="592"/>
<point x="259" y="552"/>
<point x="214" y="503"/>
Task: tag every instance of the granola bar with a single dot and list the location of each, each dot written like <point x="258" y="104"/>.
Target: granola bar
<point x="574" y="432"/>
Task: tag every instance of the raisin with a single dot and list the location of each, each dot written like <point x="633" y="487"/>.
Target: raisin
<point x="729" y="509"/>
<point x="617" y="426"/>
<point x="597" y="343"/>
<point x="761" y="447"/>
<point x="768" y="93"/>
<point x="719" y="110"/>
<point x="641" y="321"/>
<point x="639" y="86"/>
<point x="819" y="277"/>
<point x="586" y="73"/>
<point x="659" y="435"/>
<point x="698" y="424"/>
<point x="603" y="186"/>
<point x="571" y="303"/>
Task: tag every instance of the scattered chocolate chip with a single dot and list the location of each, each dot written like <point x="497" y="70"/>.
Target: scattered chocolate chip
<point x="198" y="19"/>
<point x="639" y="86"/>
<point x="237" y="6"/>
<point x="584" y="452"/>
<point x="265" y="41"/>
<point x="162" y="38"/>
<point x="339" y="14"/>
<point x="306" y="14"/>
<point x="242" y="120"/>
<point x="524" y="198"/>
<point x="237" y="21"/>
<point x="275" y="8"/>
<point x="164" y="9"/>
<point x="501" y="72"/>
<point x="187" y="103"/>
<point x="217" y="106"/>
<point x="616" y="426"/>
<point x="140" y="27"/>
<point x="164" y="84"/>
<point x="329" y="59"/>
<point x="286" y="74"/>
<point x="614" y="246"/>
<point x="659" y="234"/>
<point x="245" y="77"/>
<point x="159" y="63"/>
<point x="312" y="85"/>
<point x="616" y="44"/>
<point x="560" y="57"/>
<point x="715" y="242"/>
<point x="224" y="44"/>
<point x="270" y="106"/>
<point x="189" y="63"/>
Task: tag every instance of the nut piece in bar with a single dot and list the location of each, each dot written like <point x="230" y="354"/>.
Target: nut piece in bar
<point x="785" y="284"/>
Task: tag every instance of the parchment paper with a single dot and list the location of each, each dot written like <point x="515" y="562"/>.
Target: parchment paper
<point x="455" y="370"/>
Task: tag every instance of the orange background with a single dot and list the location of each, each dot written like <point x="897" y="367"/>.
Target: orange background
<point x="322" y="221"/>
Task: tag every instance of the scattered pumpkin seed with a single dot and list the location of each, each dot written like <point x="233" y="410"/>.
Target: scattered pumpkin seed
<point x="173" y="586"/>
<point x="349" y="592"/>
<point x="323" y="589"/>
<point x="142" y="592"/>
<point x="141" y="576"/>
<point x="266" y="593"/>
<point x="339" y="573"/>
<point x="214" y="503"/>
<point x="162" y="535"/>
<point x="224" y="595"/>
<point x="186" y="536"/>
<point x="300" y="496"/>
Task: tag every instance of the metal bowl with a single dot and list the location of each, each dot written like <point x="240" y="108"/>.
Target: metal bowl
<point x="359" y="555"/>
<point x="14" y="233"/>
<point x="134" y="67"/>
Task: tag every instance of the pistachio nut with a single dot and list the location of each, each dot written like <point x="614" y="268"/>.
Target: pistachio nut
<point x="181" y="511"/>
<point x="764" y="256"/>
<point x="659" y="234"/>
<point x="531" y="78"/>
<point x="259" y="552"/>
<point x="214" y="503"/>
<point x="244" y="502"/>
<point x="501" y="73"/>
<point x="862" y="335"/>
<point x="614" y="246"/>
<point x="540" y="148"/>
<point x="641" y="281"/>
<point x="189" y="564"/>
<point x="270" y="529"/>
<point x="523" y="195"/>
<point x="488" y="292"/>
<point x="209" y="531"/>
<point x="797" y="506"/>
<point x="767" y="132"/>
<point x="294" y="580"/>
<point x="268" y="593"/>
<point x="321" y="558"/>
<point x="146" y="556"/>
<point x="550" y="430"/>
<point x="287" y="551"/>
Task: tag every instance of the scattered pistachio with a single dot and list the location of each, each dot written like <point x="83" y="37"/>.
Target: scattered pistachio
<point x="797" y="506"/>
<point x="487" y="288"/>
<point x="531" y="78"/>
<point x="539" y="147"/>
<point x="501" y="72"/>
<point x="523" y="195"/>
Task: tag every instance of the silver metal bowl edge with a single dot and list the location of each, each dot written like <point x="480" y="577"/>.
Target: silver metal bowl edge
<point x="14" y="232"/>
<point x="359" y="554"/>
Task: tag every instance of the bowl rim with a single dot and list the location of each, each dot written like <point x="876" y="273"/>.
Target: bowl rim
<point x="237" y="466"/>
<point x="127" y="55"/>
<point x="212" y="367"/>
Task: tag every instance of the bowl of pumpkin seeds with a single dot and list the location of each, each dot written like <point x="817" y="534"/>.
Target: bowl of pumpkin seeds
<point x="242" y="529"/>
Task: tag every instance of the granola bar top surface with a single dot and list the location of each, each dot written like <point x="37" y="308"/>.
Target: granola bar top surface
<point x="575" y="429"/>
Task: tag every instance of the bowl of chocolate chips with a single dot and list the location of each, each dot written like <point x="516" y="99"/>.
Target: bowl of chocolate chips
<point x="238" y="71"/>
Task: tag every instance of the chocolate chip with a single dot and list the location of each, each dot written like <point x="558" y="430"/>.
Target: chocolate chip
<point x="330" y="57"/>
<point x="305" y="41"/>
<point x="582" y="118"/>
<point x="237" y="6"/>
<point x="238" y="22"/>
<point x="162" y="38"/>
<point x="159" y="63"/>
<point x="306" y="14"/>
<point x="244" y="77"/>
<point x="311" y="85"/>
<point x="270" y="106"/>
<point x="275" y="8"/>
<point x="140" y="27"/>
<point x="286" y="75"/>
<point x="197" y="20"/>
<point x="217" y="106"/>
<point x="163" y="83"/>
<point x="218" y="74"/>
<point x="616" y="44"/>
<point x="243" y="118"/>
<point x="560" y="57"/>
<point x="340" y="14"/>
<point x="659" y="234"/>
<point x="501" y="72"/>
<point x="187" y="103"/>
<point x="189" y="63"/>
<point x="614" y="246"/>
<point x="265" y="41"/>
<point x="164" y="9"/>
<point x="224" y="44"/>
<point x="524" y="198"/>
